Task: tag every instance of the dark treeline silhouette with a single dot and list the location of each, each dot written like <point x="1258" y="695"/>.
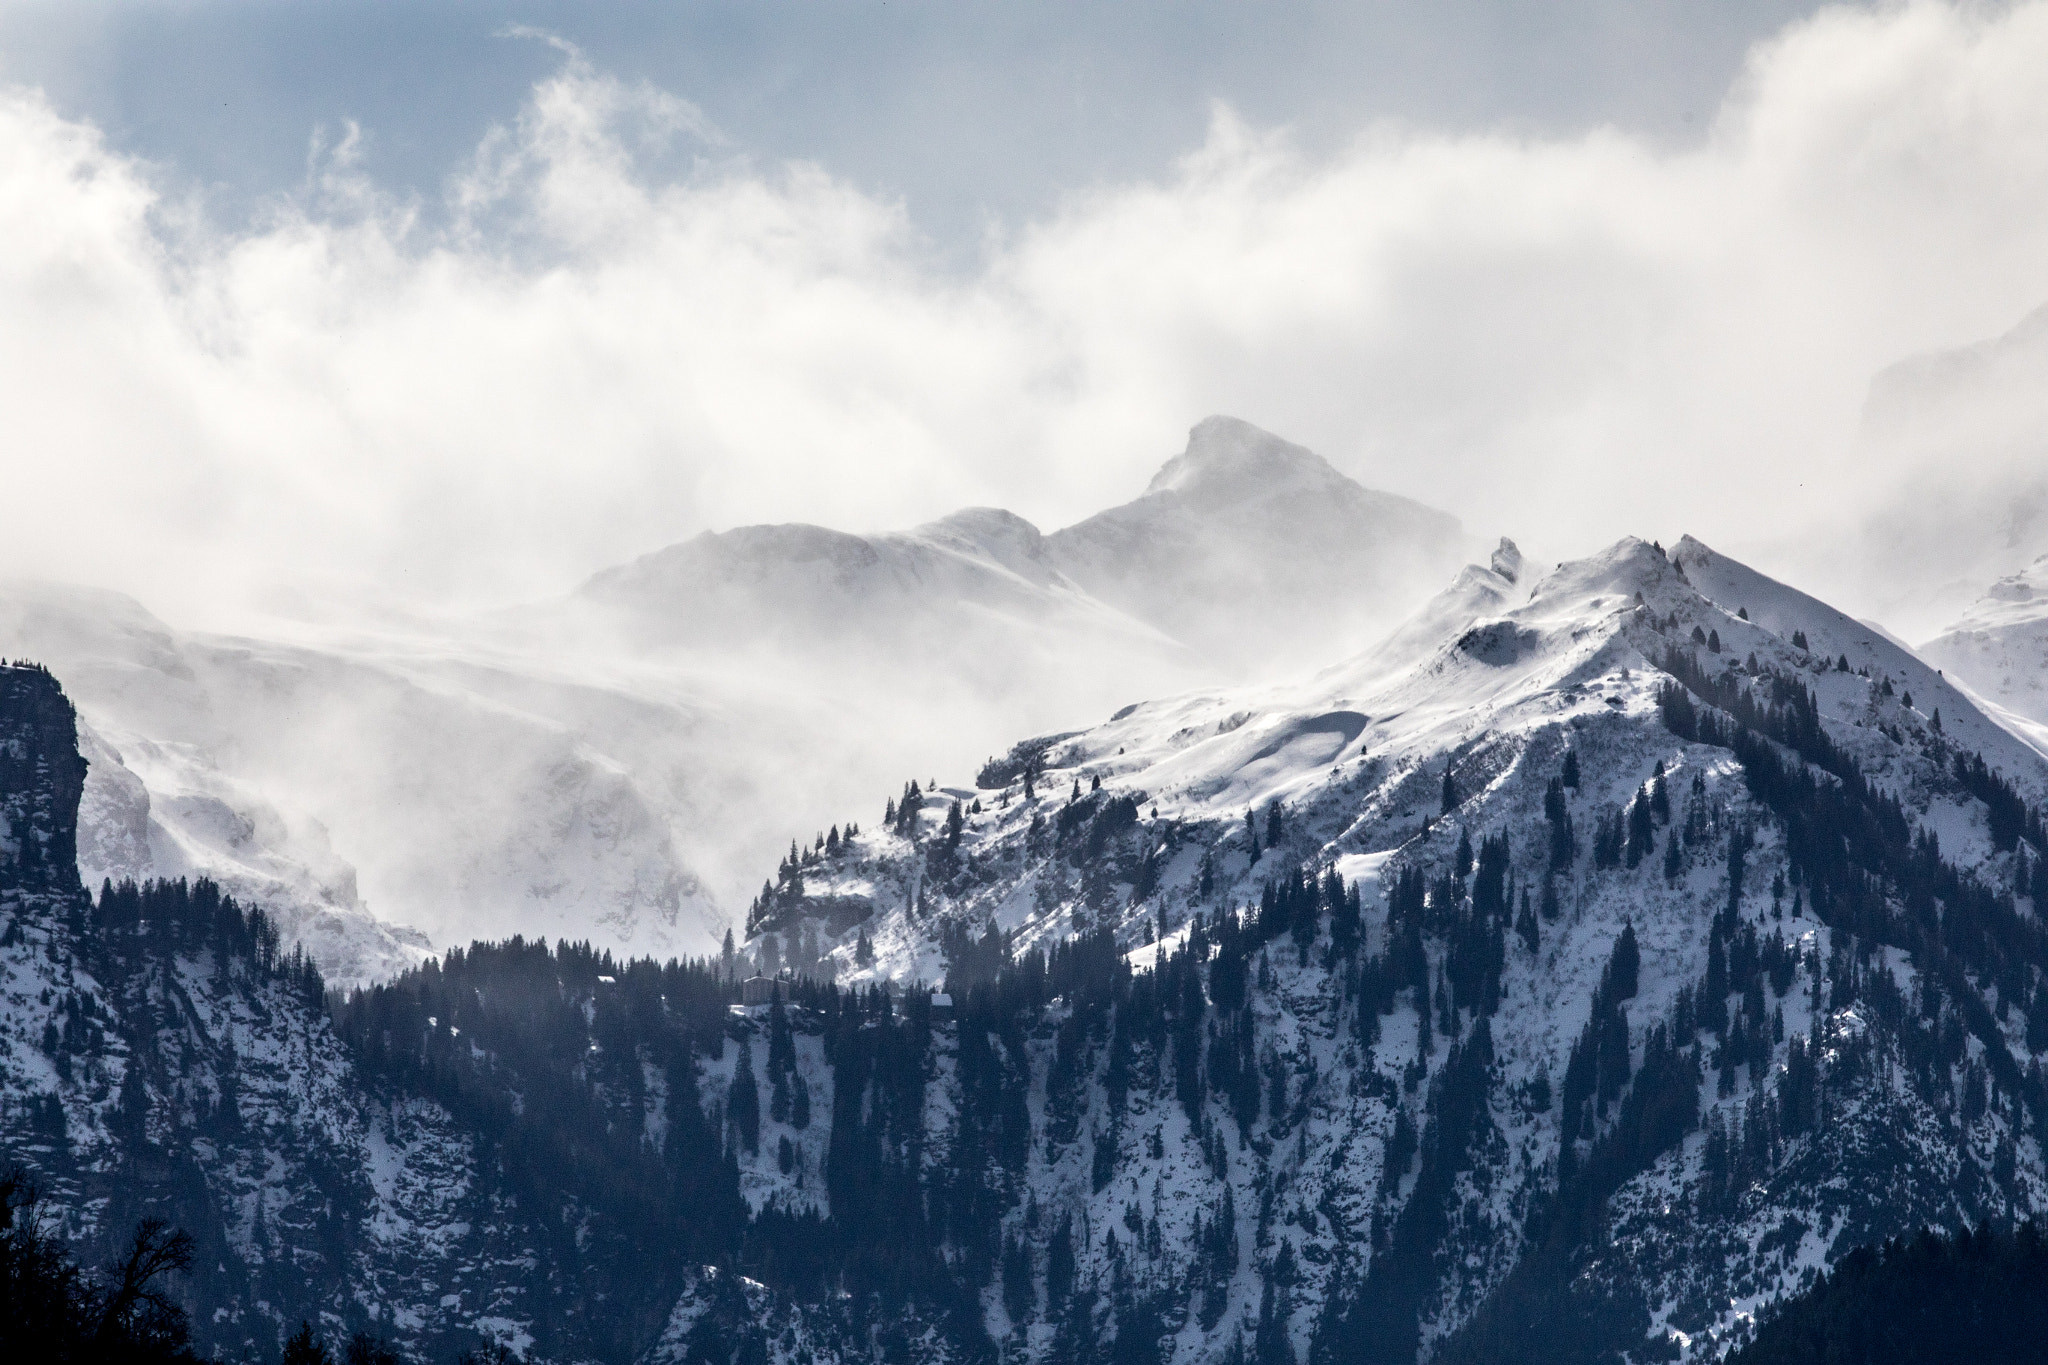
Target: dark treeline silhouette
<point x="53" y="1310"/>
<point x="1976" y="1298"/>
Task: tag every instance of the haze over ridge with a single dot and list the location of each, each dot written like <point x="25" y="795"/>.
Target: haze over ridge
<point x="622" y="331"/>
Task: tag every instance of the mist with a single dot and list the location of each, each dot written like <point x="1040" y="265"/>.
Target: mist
<point x="395" y="475"/>
<point x="625" y="331"/>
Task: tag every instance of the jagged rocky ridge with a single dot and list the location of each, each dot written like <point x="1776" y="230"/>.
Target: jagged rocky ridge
<point x="1829" y="1034"/>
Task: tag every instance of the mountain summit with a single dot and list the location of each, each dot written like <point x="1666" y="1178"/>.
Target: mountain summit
<point x="619" y="763"/>
<point x="1564" y="978"/>
<point x="1258" y="553"/>
<point x="1229" y="462"/>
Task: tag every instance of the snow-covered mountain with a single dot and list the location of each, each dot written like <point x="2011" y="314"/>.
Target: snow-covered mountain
<point x="619" y="764"/>
<point x="1501" y="655"/>
<point x="375" y="801"/>
<point x="1567" y="976"/>
<point x="1649" y="1012"/>
<point x="160" y="1057"/>
<point x="982" y="570"/>
<point x="2000" y="645"/>
<point x="1255" y="552"/>
<point x="1244" y="551"/>
<point x="1955" y="446"/>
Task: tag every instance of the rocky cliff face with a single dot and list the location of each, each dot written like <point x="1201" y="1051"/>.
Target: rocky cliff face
<point x="161" y="1056"/>
<point x="41" y="779"/>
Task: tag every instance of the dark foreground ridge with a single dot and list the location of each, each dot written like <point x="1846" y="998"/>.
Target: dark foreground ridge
<point x="1977" y="1298"/>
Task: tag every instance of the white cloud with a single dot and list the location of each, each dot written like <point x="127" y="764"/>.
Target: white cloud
<point x="631" y="332"/>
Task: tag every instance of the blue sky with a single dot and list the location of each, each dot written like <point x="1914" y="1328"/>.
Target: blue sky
<point x="969" y="112"/>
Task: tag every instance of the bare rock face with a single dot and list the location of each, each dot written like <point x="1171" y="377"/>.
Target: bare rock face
<point x="41" y="778"/>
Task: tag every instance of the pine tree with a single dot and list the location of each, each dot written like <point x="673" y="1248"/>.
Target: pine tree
<point x="304" y="1348"/>
<point x="1451" y="798"/>
<point x="1642" y="834"/>
<point x="1624" y="966"/>
<point x="1571" y="769"/>
<point x="743" y="1101"/>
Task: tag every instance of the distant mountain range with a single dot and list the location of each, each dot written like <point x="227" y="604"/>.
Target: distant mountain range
<point x="619" y="764"/>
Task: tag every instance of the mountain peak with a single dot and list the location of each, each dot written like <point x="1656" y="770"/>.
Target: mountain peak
<point x="1227" y="456"/>
<point x="1002" y="535"/>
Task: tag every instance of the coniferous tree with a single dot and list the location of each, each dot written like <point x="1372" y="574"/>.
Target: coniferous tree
<point x="1642" y="835"/>
<point x="364" y="1349"/>
<point x="743" y="1100"/>
<point x="305" y="1348"/>
<point x="1624" y="966"/>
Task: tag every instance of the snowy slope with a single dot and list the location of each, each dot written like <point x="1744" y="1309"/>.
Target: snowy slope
<point x="1957" y="445"/>
<point x="1488" y="669"/>
<point x="1493" y="683"/>
<point x="1256" y="552"/>
<point x="375" y="800"/>
<point x="983" y="571"/>
<point x="618" y="765"/>
<point x="2000" y="645"/>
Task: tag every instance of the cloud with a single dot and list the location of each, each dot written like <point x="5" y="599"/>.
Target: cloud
<point x="630" y="331"/>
